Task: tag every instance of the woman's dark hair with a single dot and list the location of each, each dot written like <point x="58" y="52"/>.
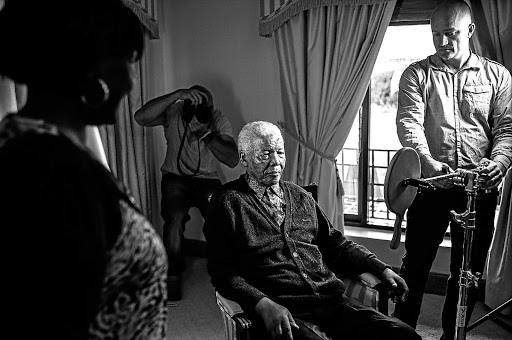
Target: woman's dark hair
<point x="56" y="42"/>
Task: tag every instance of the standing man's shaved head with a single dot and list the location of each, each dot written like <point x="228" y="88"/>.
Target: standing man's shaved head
<point x="452" y="27"/>
<point x="460" y="7"/>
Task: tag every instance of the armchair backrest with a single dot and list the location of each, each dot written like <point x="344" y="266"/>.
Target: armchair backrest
<point x="313" y="189"/>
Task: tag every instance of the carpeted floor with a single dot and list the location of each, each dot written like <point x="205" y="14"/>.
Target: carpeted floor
<point x="197" y="317"/>
<point x="430" y="322"/>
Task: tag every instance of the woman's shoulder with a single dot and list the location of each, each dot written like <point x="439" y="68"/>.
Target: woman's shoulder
<point x="32" y="158"/>
<point x="39" y="150"/>
<point x="51" y="168"/>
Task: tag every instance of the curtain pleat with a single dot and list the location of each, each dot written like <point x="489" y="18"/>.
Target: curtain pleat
<point x="326" y="56"/>
<point x="13" y="96"/>
<point x="146" y="11"/>
<point x="498" y="286"/>
<point x="7" y="97"/>
<point x="126" y="145"/>
<point x="493" y="34"/>
<point x="93" y="142"/>
<point x="275" y="13"/>
<point x="493" y="39"/>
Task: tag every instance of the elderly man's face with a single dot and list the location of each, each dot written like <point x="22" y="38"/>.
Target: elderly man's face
<point x="267" y="159"/>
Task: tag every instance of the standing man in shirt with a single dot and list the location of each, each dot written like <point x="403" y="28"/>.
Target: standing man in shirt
<point x="273" y="250"/>
<point x="454" y="109"/>
<point x="197" y="135"/>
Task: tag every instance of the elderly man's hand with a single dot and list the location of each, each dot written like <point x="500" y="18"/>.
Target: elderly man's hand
<point x="276" y="318"/>
<point x="398" y="286"/>
<point x="491" y="172"/>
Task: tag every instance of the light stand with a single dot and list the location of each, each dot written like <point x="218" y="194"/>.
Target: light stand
<point x="466" y="279"/>
<point x="400" y="186"/>
<point x="472" y="183"/>
<point x="490" y="316"/>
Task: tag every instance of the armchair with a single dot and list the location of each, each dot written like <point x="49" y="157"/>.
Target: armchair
<point x="366" y="288"/>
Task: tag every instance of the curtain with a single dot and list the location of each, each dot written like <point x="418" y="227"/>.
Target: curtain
<point x="93" y="142"/>
<point x="493" y="39"/>
<point x="326" y="56"/>
<point x="13" y="96"/>
<point x="498" y="286"/>
<point x="146" y="11"/>
<point x="126" y="144"/>
<point x="493" y="34"/>
<point x="8" y="102"/>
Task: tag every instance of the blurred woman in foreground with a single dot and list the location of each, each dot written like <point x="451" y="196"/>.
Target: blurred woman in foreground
<point x="79" y="259"/>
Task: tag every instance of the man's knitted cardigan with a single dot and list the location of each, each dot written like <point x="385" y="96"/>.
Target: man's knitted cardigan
<point x="251" y="257"/>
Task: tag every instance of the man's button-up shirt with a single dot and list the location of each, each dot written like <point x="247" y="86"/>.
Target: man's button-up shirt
<point x="457" y="118"/>
<point x="271" y="197"/>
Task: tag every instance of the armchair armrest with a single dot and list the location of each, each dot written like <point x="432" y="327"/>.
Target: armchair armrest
<point x="236" y="324"/>
<point x="228" y="306"/>
<point x="367" y="289"/>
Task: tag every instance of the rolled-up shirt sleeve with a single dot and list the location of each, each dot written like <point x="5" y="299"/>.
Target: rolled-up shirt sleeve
<point x="502" y="123"/>
<point x="411" y="112"/>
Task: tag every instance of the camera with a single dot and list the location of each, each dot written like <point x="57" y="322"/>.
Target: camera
<point x="203" y="112"/>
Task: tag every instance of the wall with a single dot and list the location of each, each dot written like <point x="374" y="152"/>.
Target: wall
<point x="378" y="242"/>
<point x="216" y="43"/>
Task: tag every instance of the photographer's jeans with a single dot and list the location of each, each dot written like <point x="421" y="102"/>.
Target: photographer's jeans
<point x="179" y="194"/>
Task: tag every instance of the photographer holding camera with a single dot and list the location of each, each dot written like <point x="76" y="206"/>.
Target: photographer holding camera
<point x="197" y="135"/>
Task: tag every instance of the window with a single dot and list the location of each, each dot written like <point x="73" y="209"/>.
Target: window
<point x="372" y="141"/>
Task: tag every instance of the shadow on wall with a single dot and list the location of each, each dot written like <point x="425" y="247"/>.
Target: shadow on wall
<point x="224" y="99"/>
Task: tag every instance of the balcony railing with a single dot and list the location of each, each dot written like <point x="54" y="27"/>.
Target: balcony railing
<point x="348" y="167"/>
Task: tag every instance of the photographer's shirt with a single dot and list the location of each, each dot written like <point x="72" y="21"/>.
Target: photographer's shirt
<point x="193" y="151"/>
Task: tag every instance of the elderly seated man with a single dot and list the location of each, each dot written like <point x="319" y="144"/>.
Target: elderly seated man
<point x="272" y="249"/>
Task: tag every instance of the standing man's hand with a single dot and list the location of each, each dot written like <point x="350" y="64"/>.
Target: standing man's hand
<point x="195" y="96"/>
<point x="397" y="284"/>
<point x="432" y="168"/>
<point x="277" y="319"/>
<point x="492" y="173"/>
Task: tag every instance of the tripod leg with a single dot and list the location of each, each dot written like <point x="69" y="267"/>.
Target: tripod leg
<point x="489" y="316"/>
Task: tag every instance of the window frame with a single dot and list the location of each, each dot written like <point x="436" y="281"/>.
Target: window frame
<point x="361" y="219"/>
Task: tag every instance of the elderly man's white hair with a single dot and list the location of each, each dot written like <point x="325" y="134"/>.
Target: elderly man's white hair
<point x="255" y="131"/>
